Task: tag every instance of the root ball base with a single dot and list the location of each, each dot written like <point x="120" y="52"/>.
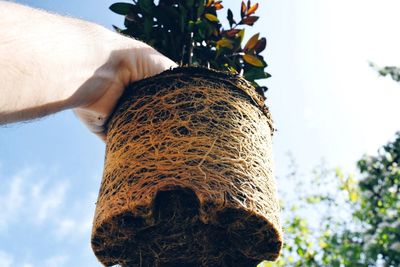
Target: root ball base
<point x="188" y="175"/>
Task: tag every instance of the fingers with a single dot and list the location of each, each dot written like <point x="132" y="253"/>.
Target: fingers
<point x="94" y="121"/>
<point x="156" y="63"/>
<point x="144" y="61"/>
<point x="132" y="63"/>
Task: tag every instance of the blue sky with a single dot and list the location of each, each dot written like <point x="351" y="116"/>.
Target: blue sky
<point x="325" y="99"/>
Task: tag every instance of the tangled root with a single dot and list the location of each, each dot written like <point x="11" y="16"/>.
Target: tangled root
<point x="188" y="175"/>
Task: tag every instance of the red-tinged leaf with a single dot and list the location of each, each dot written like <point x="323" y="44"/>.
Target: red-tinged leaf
<point x="252" y="9"/>
<point x="260" y="46"/>
<point x="243" y="9"/>
<point x="231" y="33"/>
<point x="251" y="42"/>
<point x="218" y="6"/>
<point x="249" y="20"/>
<point x="253" y="60"/>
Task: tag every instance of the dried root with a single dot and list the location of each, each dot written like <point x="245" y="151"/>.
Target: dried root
<point x="188" y="178"/>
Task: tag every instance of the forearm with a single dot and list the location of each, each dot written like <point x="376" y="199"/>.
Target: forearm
<point x="45" y="59"/>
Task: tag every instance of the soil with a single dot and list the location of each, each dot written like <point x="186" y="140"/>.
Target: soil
<point x="176" y="237"/>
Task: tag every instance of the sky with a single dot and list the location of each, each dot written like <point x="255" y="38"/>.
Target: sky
<point x="327" y="103"/>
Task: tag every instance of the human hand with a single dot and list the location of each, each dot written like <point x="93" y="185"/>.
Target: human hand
<point x="66" y="63"/>
<point x="132" y="61"/>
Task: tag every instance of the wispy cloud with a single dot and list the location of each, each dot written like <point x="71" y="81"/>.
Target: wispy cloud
<point x="36" y="207"/>
<point x="77" y="222"/>
<point x="11" y="199"/>
<point x="28" y="195"/>
<point x="56" y="261"/>
<point x="6" y="260"/>
<point x="47" y="199"/>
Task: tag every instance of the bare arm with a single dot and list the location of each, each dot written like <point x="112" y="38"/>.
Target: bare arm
<point x="49" y="63"/>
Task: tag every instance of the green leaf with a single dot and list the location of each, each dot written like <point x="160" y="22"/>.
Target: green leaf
<point x="191" y="25"/>
<point x="230" y="18"/>
<point x="147" y="26"/>
<point x="256" y="74"/>
<point x="200" y="10"/>
<point x="224" y="43"/>
<point x="353" y="196"/>
<point x="121" y="8"/>
<point x="252" y="75"/>
<point x="182" y="18"/>
<point x="253" y="60"/>
<point x="313" y="199"/>
<point x="189" y="3"/>
<point x="117" y="29"/>
<point x="241" y="35"/>
<point x="211" y="17"/>
<point x="146" y="5"/>
<point x="164" y="15"/>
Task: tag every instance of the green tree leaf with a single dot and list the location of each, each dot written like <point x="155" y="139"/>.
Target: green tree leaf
<point x="253" y="60"/>
<point x="230" y="18"/>
<point x="146" y="5"/>
<point x="224" y="43"/>
<point x="121" y="8"/>
<point x="200" y="10"/>
<point x="211" y="17"/>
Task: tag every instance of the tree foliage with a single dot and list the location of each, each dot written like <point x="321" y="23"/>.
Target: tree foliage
<point x="347" y="221"/>
<point x="392" y="71"/>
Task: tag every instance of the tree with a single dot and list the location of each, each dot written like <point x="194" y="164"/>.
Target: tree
<point x="350" y="221"/>
<point x="393" y="71"/>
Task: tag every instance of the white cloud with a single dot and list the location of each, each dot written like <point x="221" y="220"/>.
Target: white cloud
<point x="47" y="201"/>
<point x="56" y="261"/>
<point x="69" y="227"/>
<point x="6" y="260"/>
<point x="11" y="201"/>
<point x="33" y="203"/>
<point x="78" y="223"/>
<point x="28" y="196"/>
<point x="66" y="227"/>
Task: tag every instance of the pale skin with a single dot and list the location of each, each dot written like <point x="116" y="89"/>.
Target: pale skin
<point x="49" y="63"/>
